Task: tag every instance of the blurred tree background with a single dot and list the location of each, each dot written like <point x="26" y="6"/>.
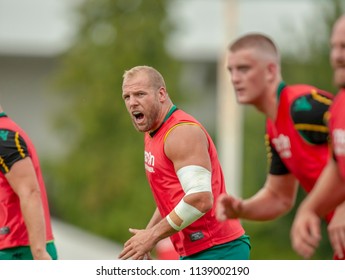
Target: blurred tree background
<point x="99" y="182"/>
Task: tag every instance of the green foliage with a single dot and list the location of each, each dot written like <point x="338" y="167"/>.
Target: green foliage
<point x="100" y="184"/>
<point x="311" y="65"/>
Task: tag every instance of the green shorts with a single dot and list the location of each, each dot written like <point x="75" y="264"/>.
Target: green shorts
<point x="24" y="252"/>
<point x="238" y="249"/>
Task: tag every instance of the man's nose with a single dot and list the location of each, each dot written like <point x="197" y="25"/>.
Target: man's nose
<point x="132" y="101"/>
<point x="234" y="77"/>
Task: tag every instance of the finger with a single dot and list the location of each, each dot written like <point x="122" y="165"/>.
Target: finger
<point x="342" y="244"/>
<point x="221" y="216"/>
<point x="222" y="196"/>
<point x="307" y="250"/>
<point x="133" y="230"/>
<point x="148" y="256"/>
<point x="310" y="231"/>
<point x="128" y="243"/>
<point x="315" y="233"/>
<point x="304" y="249"/>
<point x="139" y="256"/>
<point x="237" y="206"/>
<point x="220" y="211"/>
<point x="126" y="253"/>
<point x="337" y="241"/>
<point x="302" y="240"/>
<point x="337" y="249"/>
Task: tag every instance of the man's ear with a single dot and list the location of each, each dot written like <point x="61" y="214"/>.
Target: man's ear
<point x="163" y="95"/>
<point x="272" y="70"/>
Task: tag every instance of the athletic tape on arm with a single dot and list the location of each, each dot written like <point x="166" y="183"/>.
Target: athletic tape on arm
<point x="193" y="179"/>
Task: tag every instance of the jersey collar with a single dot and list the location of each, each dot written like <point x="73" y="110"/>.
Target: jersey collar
<point x="281" y="86"/>
<point x="171" y="111"/>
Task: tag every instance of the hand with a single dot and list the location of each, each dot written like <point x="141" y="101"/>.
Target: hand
<point x="148" y="256"/>
<point x="336" y="232"/>
<point x="138" y="247"/>
<point x="305" y="233"/>
<point x="42" y="256"/>
<point x="228" y="207"/>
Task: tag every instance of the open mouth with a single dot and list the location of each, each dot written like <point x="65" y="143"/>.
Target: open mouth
<point x="138" y="116"/>
<point x="239" y="90"/>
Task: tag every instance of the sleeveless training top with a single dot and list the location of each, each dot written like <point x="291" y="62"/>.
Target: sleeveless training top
<point x="206" y="232"/>
<point x="303" y="159"/>
<point x="15" y="145"/>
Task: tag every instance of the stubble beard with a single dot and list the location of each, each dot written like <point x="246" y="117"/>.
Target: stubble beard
<point x="151" y="118"/>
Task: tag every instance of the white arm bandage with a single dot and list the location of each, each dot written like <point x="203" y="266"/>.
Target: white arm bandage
<point x="193" y="179"/>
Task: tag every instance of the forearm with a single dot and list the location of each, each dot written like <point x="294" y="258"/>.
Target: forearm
<point x="161" y="230"/>
<point x="263" y="206"/>
<point x="276" y="198"/>
<point x="340" y="210"/>
<point x="256" y="211"/>
<point x="31" y="207"/>
<point x="155" y="219"/>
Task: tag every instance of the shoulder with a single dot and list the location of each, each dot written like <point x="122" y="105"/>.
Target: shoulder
<point x="185" y="131"/>
<point x="311" y="104"/>
<point x="309" y="112"/>
<point x="10" y="137"/>
<point x="296" y="90"/>
<point x="12" y="149"/>
<point x="185" y="136"/>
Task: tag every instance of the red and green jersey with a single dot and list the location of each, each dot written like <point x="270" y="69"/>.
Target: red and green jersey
<point x="206" y="232"/>
<point x="14" y="146"/>
<point x="337" y="130"/>
<point x="298" y="137"/>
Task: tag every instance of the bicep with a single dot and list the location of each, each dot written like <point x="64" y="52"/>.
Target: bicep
<point x="22" y="177"/>
<point x="15" y="162"/>
<point x="187" y="144"/>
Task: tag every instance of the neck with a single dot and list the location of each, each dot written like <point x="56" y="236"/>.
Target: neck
<point x="272" y="109"/>
<point x="268" y="104"/>
<point x="165" y="114"/>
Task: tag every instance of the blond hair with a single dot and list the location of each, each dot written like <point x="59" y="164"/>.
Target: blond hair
<point x="256" y="41"/>
<point x="154" y="76"/>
